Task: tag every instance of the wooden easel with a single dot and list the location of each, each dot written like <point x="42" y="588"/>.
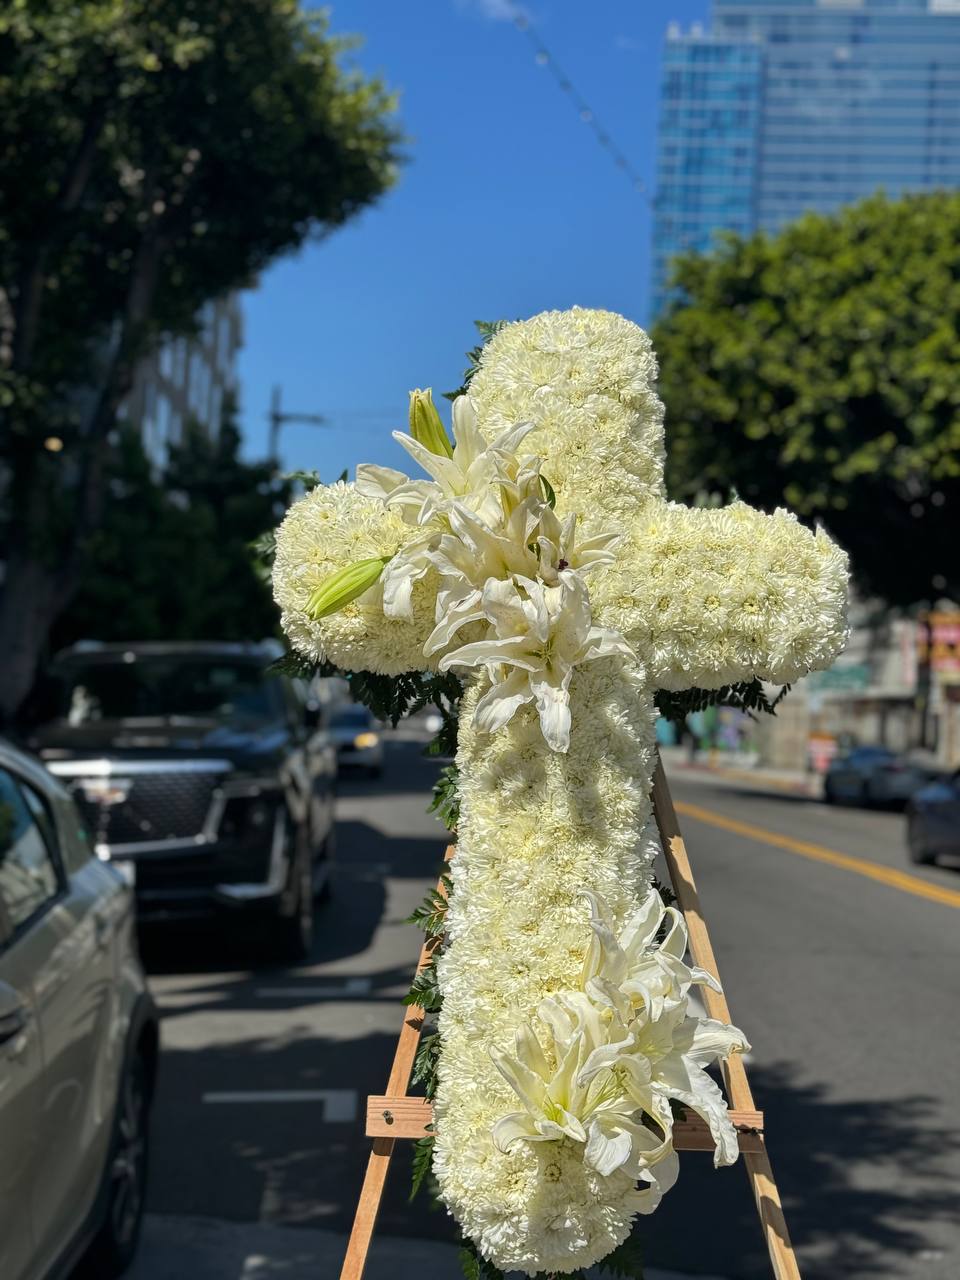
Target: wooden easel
<point x="394" y="1115"/>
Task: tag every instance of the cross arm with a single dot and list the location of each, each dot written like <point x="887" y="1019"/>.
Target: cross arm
<point x="711" y="596"/>
<point x="331" y="527"/>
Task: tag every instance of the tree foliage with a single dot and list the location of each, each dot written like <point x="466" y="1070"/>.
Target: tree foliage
<point x="817" y="368"/>
<point x="154" y="155"/>
<point x="171" y="559"/>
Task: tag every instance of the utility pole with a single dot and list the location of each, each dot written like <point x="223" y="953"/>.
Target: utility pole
<point x="277" y="417"/>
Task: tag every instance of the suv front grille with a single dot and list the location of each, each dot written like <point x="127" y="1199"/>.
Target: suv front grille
<point x="133" y="804"/>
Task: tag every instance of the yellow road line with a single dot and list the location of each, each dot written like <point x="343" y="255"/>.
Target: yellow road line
<point x="860" y="866"/>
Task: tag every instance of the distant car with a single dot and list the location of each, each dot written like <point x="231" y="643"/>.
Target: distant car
<point x="933" y="820"/>
<point x="356" y="735"/>
<point x="78" y="1041"/>
<point x="204" y="776"/>
<point x="872" y="776"/>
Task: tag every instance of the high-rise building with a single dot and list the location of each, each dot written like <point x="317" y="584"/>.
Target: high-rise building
<point x="789" y="105"/>
<point x="186" y="379"/>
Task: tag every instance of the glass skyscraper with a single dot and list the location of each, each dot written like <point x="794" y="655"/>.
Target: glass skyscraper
<point x="789" y="105"/>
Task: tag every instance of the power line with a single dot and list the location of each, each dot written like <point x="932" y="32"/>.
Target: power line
<point x="544" y="58"/>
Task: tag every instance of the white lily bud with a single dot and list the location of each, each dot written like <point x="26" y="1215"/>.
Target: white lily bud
<point x="345" y="585"/>
<point x="426" y="425"/>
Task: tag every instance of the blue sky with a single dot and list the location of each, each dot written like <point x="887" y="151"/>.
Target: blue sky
<point x="507" y="206"/>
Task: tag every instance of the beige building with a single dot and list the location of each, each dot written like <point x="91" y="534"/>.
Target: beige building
<point x="897" y="684"/>
<point x="187" y="379"/>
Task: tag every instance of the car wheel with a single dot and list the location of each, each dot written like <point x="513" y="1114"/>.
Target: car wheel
<point x="828" y="796"/>
<point x="375" y="771"/>
<point x="115" y="1244"/>
<point x="290" y="938"/>
<point x="866" y="796"/>
<point x="917" y="847"/>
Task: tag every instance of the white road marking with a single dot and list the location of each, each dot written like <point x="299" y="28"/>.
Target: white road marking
<point x="349" y="987"/>
<point x="339" y="1105"/>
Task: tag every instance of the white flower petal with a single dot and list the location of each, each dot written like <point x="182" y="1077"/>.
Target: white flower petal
<point x="378" y="482"/>
<point x="501" y="702"/>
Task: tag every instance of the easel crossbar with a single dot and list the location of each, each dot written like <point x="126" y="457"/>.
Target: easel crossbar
<point x="395" y="1115"/>
<point x="403" y="1117"/>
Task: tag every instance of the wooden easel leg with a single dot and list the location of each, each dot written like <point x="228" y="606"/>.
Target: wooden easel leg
<point x="368" y="1206"/>
<point x="378" y="1166"/>
<point x="759" y="1172"/>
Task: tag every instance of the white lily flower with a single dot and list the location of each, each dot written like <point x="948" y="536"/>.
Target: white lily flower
<point x="471" y="475"/>
<point x="539" y="634"/>
<point x="649" y="972"/>
<point x="664" y="1060"/>
<point x="559" y="549"/>
<point x="394" y="489"/>
<point x="558" y="1102"/>
<point x="471" y="555"/>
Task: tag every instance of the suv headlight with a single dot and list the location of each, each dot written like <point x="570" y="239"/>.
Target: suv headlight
<point x="249" y="815"/>
<point x="366" y="740"/>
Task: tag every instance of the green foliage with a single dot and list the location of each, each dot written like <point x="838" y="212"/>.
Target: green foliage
<point x="626" y="1261"/>
<point x="477" y="1268"/>
<point x="156" y="155"/>
<point x="263" y="550"/>
<point x="171" y="559"/>
<point x="665" y="892"/>
<point x="214" y="139"/>
<point x="446" y="797"/>
<point x="430" y="914"/>
<point x="748" y="696"/>
<point x="817" y="368"/>
<point x="425" y="990"/>
<point x="486" y="329"/>
<point x="393" y="697"/>
<point x="294" y="665"/>
<point x="422" y="1165"/>
<point x="309" y="479"/>
<point x="445" y="742"/>
<point x="426" y="1063"/>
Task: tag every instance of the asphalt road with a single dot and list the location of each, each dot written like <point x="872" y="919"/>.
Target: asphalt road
<point x="846" y="984"/>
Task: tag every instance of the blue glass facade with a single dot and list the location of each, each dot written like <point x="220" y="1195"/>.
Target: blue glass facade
<point x="789" y="105"/>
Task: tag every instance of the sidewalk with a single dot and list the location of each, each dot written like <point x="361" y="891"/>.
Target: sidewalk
<point x="677" y="762"/>
<point x="173" y="1248"/>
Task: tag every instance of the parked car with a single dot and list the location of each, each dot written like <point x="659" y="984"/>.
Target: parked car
<point x="205" y="777"/>
<point x="78" y="1041"/>
<point x="872" y="776"/>
<point x="358" y="740"/>
<point x="933" y="820"/>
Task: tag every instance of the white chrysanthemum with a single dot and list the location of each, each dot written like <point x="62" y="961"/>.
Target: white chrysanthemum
<point x="327" y="529"/>
<point x="536" y="828"/>
<point x="585" y="379"/>
<point x="707" y="597"/>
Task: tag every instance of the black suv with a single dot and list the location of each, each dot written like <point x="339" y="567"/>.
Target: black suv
<point x="205" y="778"/>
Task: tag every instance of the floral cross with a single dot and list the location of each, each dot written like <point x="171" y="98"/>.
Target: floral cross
<point x="542" y="560"/>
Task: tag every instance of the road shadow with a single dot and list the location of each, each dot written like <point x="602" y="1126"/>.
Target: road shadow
<point x="864" y="1186"/>
<point x="285" y="1163"/>
<point x="345" y="925"/>
<point x="862" y="1182"/>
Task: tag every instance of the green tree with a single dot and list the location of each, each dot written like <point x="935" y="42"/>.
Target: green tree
<point x="171" y="558"/>
<point x="817" y="368"/>
<point x="153" y="154"/>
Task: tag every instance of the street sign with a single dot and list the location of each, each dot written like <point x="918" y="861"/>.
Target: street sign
<point x="852" y="677"/>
